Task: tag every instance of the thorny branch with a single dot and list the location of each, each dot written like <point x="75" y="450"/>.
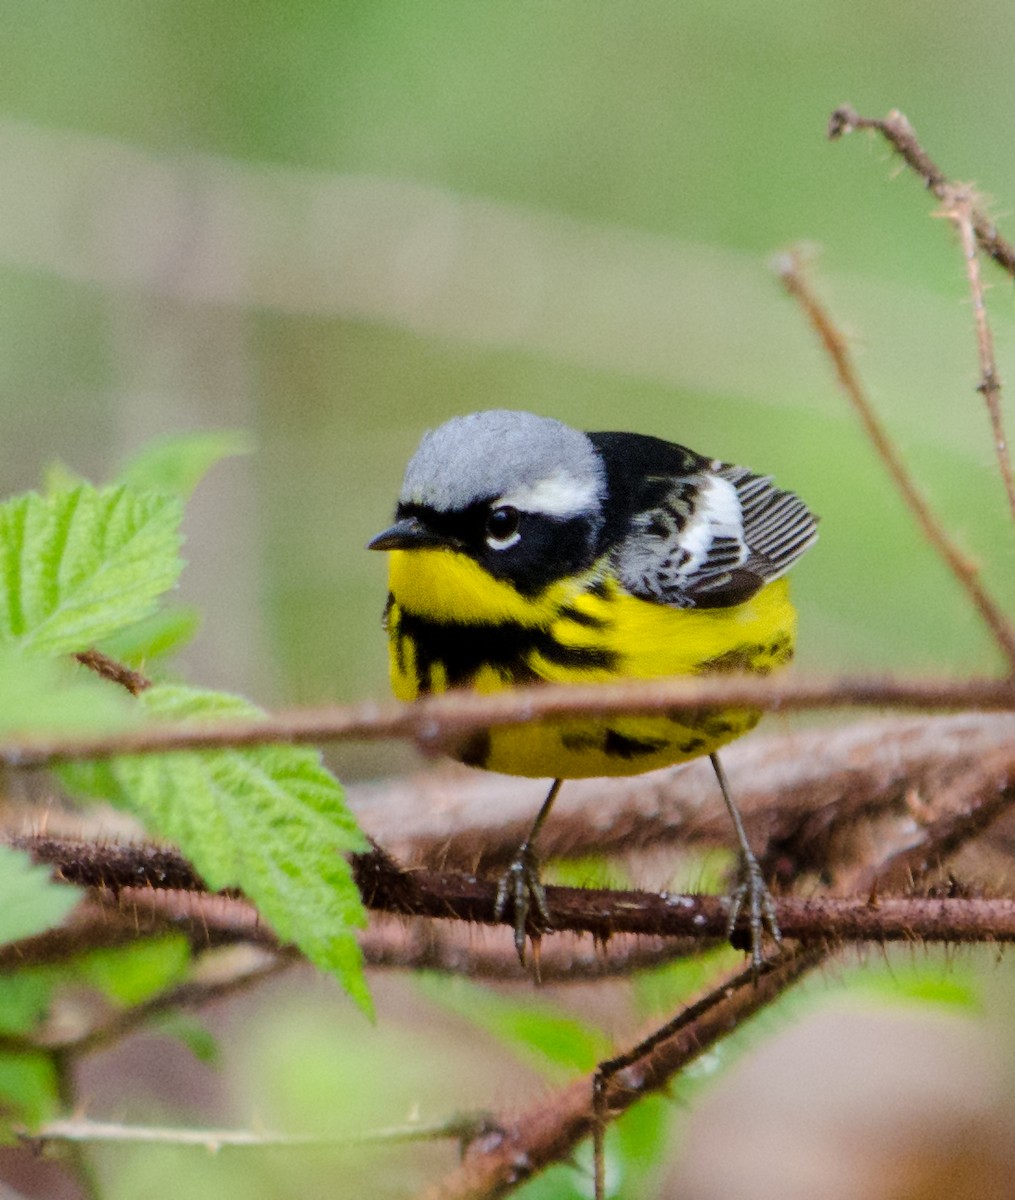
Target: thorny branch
<point x="958" y="208"/>
<point x="547" y="1134"/>
<point x="898" y="132"/>
<point x="438" y="724"/>
<point x="549" y="1131"/>
<point x="959" y="204"/>
<point x="145" y="879"/>
<point x="791" y="270"/>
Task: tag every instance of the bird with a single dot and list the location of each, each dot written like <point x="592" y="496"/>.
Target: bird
<point x="524" y="551"/>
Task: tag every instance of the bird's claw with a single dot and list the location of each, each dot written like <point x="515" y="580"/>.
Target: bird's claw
<point x="751" y="895"/>
<point x="521" y="892"/>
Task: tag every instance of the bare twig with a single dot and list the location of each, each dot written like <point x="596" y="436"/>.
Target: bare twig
<point x="959" y="208"/>
<point x="77" y="1156"/>
<point x="791" y="271"/>
<point x="195" y="994"/>
<point x="548" y="1131"/>
<point x="115" y="672"/>
<point x="898" y="132"/>
<point x="80" y="1130"/>
<point x="437" y="724"/>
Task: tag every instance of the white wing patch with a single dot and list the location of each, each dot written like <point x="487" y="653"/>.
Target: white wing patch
<point x="715" y="539"/>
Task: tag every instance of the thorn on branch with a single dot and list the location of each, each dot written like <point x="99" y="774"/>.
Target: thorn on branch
<point x="901" y="136"/>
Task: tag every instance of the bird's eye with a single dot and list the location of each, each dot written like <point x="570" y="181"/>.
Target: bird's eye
<point x="502" y="527"/>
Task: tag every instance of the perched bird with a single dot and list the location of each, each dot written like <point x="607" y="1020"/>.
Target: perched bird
<point x="524" y="550"/>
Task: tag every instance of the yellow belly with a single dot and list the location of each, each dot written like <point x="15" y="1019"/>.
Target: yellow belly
<point x="452" y="625"/>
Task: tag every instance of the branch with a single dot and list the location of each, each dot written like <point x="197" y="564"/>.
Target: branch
<point x="438" y="724"/>
<point x="791" y="271"/>
<point x="959" y="209"/>
<point x="976" y="799"/>
<point x="79" y="1129"/>
<point x="548" y="1131"/>
<point x="808" y="797"/>
<point x="899" y="134"/>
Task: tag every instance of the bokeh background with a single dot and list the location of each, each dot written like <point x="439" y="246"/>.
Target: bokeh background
<point x="334" y="225"/>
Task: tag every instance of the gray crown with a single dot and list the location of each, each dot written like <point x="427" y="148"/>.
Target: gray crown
<point x="486" y="455"/>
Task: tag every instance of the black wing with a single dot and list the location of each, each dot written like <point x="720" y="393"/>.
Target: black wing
<point x="713" y="539"/>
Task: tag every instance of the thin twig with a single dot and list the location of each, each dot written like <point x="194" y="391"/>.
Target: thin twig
<point x="547" y="1132"/>
<point x="898" y="132"/>
<point x="959" y="208"/>
<point x="438" y="724"/>
<point x="80" y="1130"/>
<point x="115" y="672"/>
<point x="195" y="994"/>
<point x="791" y="270"/>
<point x="77" y="1156"/>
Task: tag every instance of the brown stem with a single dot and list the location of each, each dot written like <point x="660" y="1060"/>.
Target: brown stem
<point x="548" y="1131"/>
<point x="438" y="724"/>
<point x="959" y="209"/>
<point x="115" y="672"/>
<point x="791" y="270"/>
<point x="899" y="134"/>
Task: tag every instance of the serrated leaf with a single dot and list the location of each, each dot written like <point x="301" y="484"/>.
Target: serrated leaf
<point x="164" y="632"/>
<point x="269" y="820"/>
<point x="77" y="566"/>
<point x="29" y="899"/>
<point x="59" y="477"/>
<point x="29" y="1091"/>
<point x="177" y="464"/>
<point x="40" y="695"/>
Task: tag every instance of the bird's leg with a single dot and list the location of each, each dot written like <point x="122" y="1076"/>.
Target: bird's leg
<point x="520" y="887"/>
<point x="751" y="892"/>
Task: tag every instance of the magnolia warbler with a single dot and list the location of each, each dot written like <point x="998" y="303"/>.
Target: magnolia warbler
<point x="524" y="550"/>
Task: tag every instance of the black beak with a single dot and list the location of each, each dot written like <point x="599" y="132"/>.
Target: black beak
<point x="408" y="534"/>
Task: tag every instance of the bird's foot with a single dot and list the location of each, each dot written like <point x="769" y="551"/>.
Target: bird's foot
<point x="521" y="892"/>
<point x="752" y="898"/>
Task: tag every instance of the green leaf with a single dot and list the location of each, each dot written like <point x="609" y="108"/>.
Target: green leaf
<point x="934" y="981"/>
<point x="132" y="974"/>
<point x="28" y="1089"/>
<point x="662" y="990"/>
<point x="189" y="1031"/>
<point x="270" y="821"/>
<point x="176" y="465"/>
<point x="77" y="566"/>
<point x="25" y="998"/>
<point x="59" y="477"/>
<point x="39" y="695"/>
<point x="162" y="633"/>
<point x="29" y="899"/>
<point x="540" y="1031"/>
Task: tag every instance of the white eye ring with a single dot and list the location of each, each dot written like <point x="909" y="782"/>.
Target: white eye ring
<point x="502" y="529"/>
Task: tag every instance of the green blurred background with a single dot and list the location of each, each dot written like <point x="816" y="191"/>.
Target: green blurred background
<point x="336" y="224"/>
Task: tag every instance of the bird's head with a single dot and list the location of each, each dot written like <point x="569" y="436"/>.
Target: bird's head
<point x="519" y="495"/>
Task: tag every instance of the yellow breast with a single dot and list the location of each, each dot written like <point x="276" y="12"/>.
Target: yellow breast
<point x="450" y="624"/>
